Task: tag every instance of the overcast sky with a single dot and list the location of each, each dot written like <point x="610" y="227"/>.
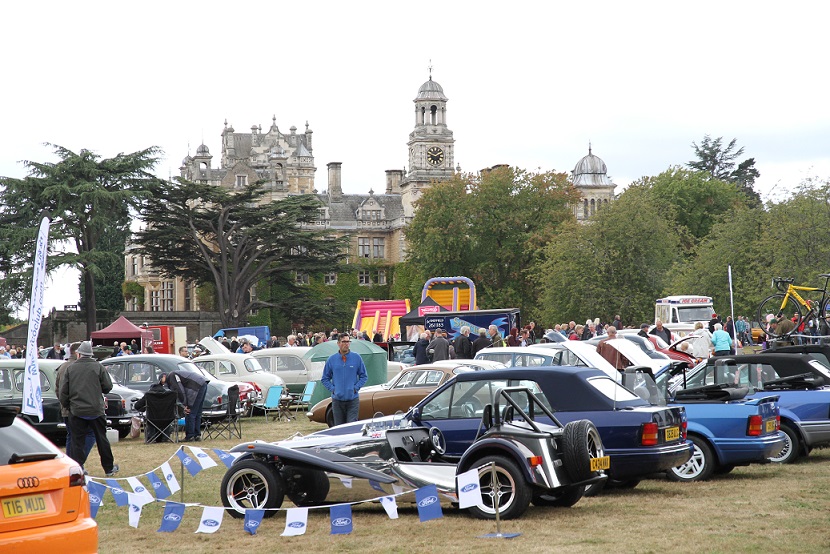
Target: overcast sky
<point x="529" y="83"/>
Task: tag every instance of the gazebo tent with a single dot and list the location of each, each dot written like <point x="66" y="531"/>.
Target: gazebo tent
<point x="121" y="330"/>
<point x="416" y="316"/>
<point x="374" y="358"/>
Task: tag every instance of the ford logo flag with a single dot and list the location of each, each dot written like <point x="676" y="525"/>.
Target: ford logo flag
<point x="96" y="494"/>
<point x="469" y="488"/>
<point x="296" y="524"/>
<point x="140" y="489"/>
<point x="428" y="505"/>
<point x="211" y="519"/>
<point x="211" y="522"/>
<point x="341" y="519"/>
<point x="187" y="461"/>
<point x="173" y="514"/>
<point x="253" y="518"/>
<point x="118" y="493"/>
<point x="161" y="489"/>
<point x="224" y="457"/>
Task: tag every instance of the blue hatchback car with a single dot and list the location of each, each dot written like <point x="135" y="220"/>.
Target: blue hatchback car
<point x="640" y="439"/>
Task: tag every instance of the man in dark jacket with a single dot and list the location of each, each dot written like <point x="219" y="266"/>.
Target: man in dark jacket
<point x="481" y="342"/>
<point x="420" y="349"/>
<point x="463" y="344"/>
<point x="191" y="386"/>
<point x="660" y="331"/>
<point x="440" y="347"/>
<point x="83" y="386"/>
<point x="90" y="436"/>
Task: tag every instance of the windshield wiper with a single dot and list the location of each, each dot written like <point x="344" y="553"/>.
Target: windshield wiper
<point x="31" y="457"/>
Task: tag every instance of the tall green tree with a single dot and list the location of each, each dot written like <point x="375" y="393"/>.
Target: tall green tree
<point x="720" y="161"/>
<point x="211" y="234"/>
<point x="615" y="264"/>
<point x="694" y="199"/>
<point x="85" y="195"/>
<point x="491" y="227"/>
<point x="109" y="295"/>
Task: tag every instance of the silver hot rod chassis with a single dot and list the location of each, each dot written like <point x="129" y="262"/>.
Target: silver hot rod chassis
<point x="547" y="464"/>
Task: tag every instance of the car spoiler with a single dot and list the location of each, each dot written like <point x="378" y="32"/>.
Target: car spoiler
<point x="321" y="459"/>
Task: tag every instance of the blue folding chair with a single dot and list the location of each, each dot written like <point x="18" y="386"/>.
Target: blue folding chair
<point x="275" y="401"/>
<point x="305" y="398"/>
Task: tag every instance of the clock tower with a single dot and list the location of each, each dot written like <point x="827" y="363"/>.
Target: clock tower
<point x="431" y="155"/>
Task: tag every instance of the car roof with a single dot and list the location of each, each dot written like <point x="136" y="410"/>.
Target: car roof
<point x="296" y="350"/>
<point x="21" y="363"/>
<point x="765" y="357"/>
<point x="529" y="373"/>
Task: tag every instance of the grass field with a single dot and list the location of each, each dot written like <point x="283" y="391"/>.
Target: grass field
<point x="753" y="509"/>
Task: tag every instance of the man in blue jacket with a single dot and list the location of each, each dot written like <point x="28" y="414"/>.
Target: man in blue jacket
<point x="344" y="374"/>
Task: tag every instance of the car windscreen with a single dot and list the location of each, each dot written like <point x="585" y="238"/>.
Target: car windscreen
<point x="21" y="439"/>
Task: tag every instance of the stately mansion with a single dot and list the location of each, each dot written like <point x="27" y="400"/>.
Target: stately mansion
<point x="374" y="221"/>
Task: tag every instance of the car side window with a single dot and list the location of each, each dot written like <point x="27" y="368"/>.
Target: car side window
<point x="226" y="368"/>
<point x="433" y="377"/>
<point x="5" y="380"/>
<point x="290" y="363"/>
<point x="532" y="360"/>
<point x="209" y="366"/>
<point x="45" y="385"/>
<point x="266" y="363"/>
<point x="505" y="358"/>
<point x="140" y="372"/>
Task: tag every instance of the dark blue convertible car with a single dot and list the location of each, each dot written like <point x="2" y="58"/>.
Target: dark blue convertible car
<point x="641" y="439"/>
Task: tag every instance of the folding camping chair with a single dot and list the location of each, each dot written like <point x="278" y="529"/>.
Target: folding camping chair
<point x="305" y="398"/>
<point x="161" y="420"/>
<point x="276" y="401"/>
<point x="231" y="422"/>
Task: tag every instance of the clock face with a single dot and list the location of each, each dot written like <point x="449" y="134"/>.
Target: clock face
<point x="435" y="156"/>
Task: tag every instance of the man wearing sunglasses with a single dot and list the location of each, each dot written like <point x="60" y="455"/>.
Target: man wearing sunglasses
<point x="344" y="374"/>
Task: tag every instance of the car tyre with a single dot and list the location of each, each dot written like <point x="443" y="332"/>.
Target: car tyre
<point x="792" y="447"/>
<point x="562" y="498"/>
<point x="581" y="442"/>
<point x="251" y="484"/>
<point x="510" y="492"/>
<point x="699" y="467"/>
<point x="305" y="486"/>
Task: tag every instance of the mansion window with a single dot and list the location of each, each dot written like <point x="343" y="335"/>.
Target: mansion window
<point x="330" y="279"/>
<point x="302" y="279"/>
<point x="364" y="278"/>
<point x="162" y="300"/>
<point x="188" y="297"/>
<point x="380" y="277"/>
<point x="135" y="265"/>
<point x="378" y="250"/>
<point x="363" y="250"/>
<point x="241" y="181"/>
<point x="371" y="215"/>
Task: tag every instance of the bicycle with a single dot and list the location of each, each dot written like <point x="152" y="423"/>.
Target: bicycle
<point x="788" y="301"/>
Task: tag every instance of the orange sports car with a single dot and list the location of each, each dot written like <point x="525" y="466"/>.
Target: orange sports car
<point x="404" y="390"/>
<point x="45" y="504"/>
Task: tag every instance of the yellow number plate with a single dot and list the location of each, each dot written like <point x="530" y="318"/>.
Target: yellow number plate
<point x="770" y="425"/>
<point x="24" y="506"/>
<point x="672" y="433"/>
<point x="598" y="464"/>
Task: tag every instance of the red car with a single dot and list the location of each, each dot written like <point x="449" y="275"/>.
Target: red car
<point x="675" y="350"/>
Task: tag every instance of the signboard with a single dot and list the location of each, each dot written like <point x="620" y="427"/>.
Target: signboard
<point x="433" y="322"/>
<point x="428" y="310"/>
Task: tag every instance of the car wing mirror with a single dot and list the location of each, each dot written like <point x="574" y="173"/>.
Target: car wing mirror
<point x="415" y="416"/>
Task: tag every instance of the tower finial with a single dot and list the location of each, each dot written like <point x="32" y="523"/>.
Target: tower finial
<point x="589" y="147"/>
<point x="430" y="69"/>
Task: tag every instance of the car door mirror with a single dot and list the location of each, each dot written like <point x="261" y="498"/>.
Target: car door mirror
<point x="415" y="416"/>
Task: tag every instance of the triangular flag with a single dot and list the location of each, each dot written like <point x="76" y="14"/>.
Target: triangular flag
<point x="397" y="489"/>
<point x="136" y="502"/>
<point x="189" y="464"/>
<point x="211" y="519"/>
<point x="390" y="505"/>
<point x="226" y="458"/>
<point x="341" y="519"/>
<point x="159" y="487"/>
<point x="118" y="493"/>
<point x="172" y="518"/>
<point x="201" y="456"/>
<point x="169" y="478"/>
<point x="469" y="490"/>
<point x="429" y="506"/>
<point x="140" y="489"/>
<point x="347" y="482"/>
<point x="96" y="496"/>
<point x="296" y="520"/>
<point x="253" y="519"/>
<point x="375" y="485"/>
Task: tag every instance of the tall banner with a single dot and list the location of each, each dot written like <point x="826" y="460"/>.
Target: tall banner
<point x="32" y="400"/>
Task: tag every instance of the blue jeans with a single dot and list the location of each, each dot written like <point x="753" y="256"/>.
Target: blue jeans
<point x="345" y="411"/>
<point x="193" y="420"/>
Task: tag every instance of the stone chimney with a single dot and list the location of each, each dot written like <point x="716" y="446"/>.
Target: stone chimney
<point x="393" y="181"/>
<point x="335" y="189"/>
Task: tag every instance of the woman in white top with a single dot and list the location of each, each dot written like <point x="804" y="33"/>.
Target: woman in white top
<point x="702" y="347"/>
